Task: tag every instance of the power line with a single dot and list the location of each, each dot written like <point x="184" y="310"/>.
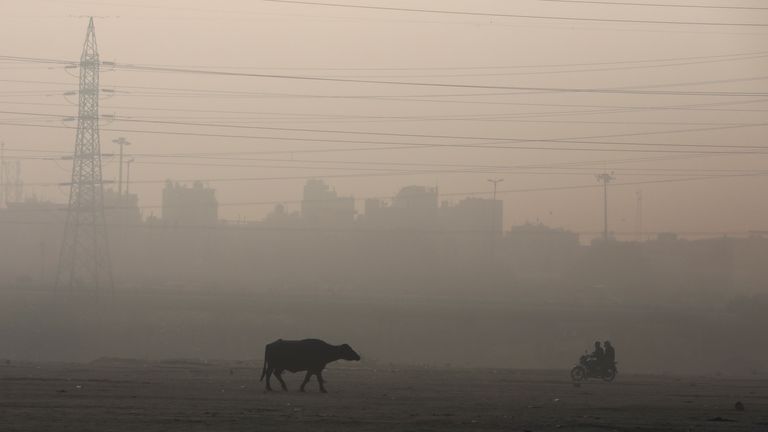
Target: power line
<point x="433" y="164"/>
<point x="508" y="139"/>
<point x="670" y="5"/>
<point x="584" y="163"/>
<point x="137" y="67"/>
<point x="636" y="65"/>
<point x="603" y="109"/>
<point x="378" y="173"/>
<point x="608" y="109"/>
<point x="385" y="119"/>
<point x="577" y="140"/>
<point x="691" y="107"/>
<point x="589" y="165"/>
<point x="639" y="90"/>
<point x="734" y="56"/>
<point x="565" y="165"/>
<point x="506" y="15"/>
<point x="37" y="60"/>
<point x="469" y="169"/>
<point x="716" y="57"/>
<point x="476" y="146"/>
<point x="548" y="72"/>
<point x="499" y="116"/>
<point x="439" y="85"/>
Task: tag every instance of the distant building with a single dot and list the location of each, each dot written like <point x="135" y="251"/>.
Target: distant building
<point x="322" y="206"/>
<point x="416" y="198"/>
<point x="31" y="234"/>
<point x="121" y="209"/>
<point x="414" y="207"/>
<point x="539" y="236"/>
<point x="32" y="211"/>
<point x="538" y="252"/>
<point x="280" y="218"/>
<point x="666" y="237"/>
<point x="189" y="205"/>
<point x="473" y="215"/>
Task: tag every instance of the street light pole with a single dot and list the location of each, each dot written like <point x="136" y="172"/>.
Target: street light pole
<point x="494" y="219"/>
<point x="122" y="142"/>
<point x="128" y="175"/>
<point x="495" y="182"/>
<point x="2" y="173"/>
<point x="605" y="178"/>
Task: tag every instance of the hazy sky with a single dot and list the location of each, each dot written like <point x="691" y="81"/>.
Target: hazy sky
<point x="511" y="84"/>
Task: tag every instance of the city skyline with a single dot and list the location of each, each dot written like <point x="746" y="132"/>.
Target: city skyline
<point x="684" y="191"/>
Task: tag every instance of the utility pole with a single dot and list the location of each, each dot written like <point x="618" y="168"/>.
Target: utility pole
<point x="605" y="178"/>
<point x="18" y="184"/>
<point x="639" y="216"/>
<point x="494" y="220"/>
<point x="122" y="142"/>
<point x="84" y="258"/>
<point x="495" y="182"/>
<point x="2" y="173"/>
<point x="128" y="175"/>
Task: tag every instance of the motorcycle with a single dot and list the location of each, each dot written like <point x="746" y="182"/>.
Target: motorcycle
<point x="588" y="369"/>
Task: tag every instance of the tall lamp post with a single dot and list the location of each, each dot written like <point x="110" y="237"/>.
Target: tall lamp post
<point x="605" y="178"/>
<point x="128" y="175"/>
<point x="494" y="220"/>
<point x="122" y="142"/>
<point x="495" y="182"/>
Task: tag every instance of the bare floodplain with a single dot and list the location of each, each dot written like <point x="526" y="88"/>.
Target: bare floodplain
<point x="123" y="395"/>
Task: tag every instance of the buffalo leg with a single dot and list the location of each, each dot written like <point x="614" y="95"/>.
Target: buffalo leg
<point x="279" y="376"/>
<point x="269" y="376"/>
<point x="306" y="380"/>
<point x="320" y="381"/>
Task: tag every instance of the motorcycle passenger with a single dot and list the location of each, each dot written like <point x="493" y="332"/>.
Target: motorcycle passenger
<point x="610" y="354"/>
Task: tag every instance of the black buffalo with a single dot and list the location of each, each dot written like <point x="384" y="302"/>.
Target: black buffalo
<point x="311" y="355"/>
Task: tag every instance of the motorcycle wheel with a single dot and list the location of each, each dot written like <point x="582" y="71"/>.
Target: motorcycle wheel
<point x="610" y="375"/>
<point x="578" y="373"/>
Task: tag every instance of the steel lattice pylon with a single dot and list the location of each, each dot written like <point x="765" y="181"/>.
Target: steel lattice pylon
<point x="84" y="261"/>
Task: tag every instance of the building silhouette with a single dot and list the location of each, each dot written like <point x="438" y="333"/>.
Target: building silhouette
<point x="321" y="206"/>
<point x="473" y="215"/>
<point x="194" y="205"/>
<point x="121" y="210"/>
<point x="414" y="207"/>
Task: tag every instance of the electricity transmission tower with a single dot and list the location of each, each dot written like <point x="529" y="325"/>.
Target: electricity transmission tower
<point x="605" y="178"/>
<point x="84" y="259"/>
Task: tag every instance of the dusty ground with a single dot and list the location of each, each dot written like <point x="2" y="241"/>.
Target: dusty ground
<point x="185" y="396"/>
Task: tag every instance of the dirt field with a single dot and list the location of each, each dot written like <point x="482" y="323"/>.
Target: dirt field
<point x="188" y="396"/>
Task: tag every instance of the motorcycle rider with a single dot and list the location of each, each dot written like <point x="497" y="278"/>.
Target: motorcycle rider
<point x="600" y="363"/>
<point x="598" y="356"/>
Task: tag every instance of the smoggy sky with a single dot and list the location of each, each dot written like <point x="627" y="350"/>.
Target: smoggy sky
<point x="512" y="82"/>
